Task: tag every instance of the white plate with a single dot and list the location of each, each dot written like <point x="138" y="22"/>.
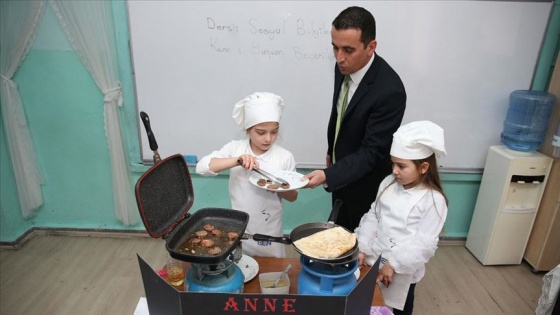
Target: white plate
<point x="249" y="267"/>
<point x="293" y="178"/>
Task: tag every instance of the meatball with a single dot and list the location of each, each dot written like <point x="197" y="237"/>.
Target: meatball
<point x="214" y="251"/>
<point x="208" y="227"/>
<point x="261" y="182"/>
<point x="232" y="235"/>
<point x="207" y="243"/>
<point x="272" y="186"/>
<point x="285" y="186"/>
<point x="201" y="234"/>
<point x="195" y="241"/>
<point x="217" y="232"/>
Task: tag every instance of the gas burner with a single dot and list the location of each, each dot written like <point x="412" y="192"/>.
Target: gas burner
<point x="326" y="278"/>
<point x="329" y="268"/>
<point x="341" y="261"/>
<point x="212" y="269"/>
<point x="224" y="276"/>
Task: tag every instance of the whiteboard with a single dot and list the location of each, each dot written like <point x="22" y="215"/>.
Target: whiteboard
<point x="458" y="60"/>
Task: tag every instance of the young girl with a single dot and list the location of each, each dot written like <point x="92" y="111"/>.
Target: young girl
<point x="259" y="115"/>
<point x="407" y="216"/>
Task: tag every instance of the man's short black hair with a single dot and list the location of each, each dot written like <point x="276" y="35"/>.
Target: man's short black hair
<point x="357" y="18"/>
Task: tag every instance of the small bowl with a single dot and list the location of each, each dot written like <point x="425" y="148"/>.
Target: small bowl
<point x="267" y="279"/>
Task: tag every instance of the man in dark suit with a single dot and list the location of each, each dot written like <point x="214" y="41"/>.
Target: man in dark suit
<point x="371" y="106"/>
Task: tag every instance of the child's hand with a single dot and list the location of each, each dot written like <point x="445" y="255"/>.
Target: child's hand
<point x="248" y="162"/>
<point x="361" y="260"/>
<point x="386" y="273"/>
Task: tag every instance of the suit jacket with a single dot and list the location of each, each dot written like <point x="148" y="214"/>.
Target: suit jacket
<point x="364" y="140"/>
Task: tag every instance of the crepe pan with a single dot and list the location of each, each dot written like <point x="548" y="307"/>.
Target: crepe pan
<point x="165" y="194"/>
<point x="312" y="228"/>
<point x="308" y="229"/>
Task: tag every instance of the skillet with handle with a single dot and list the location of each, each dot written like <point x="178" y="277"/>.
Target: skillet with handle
<point x="308" y="229"/>
<point x="164" y="194"/>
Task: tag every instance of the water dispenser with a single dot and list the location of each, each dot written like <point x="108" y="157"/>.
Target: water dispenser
<point x="510" y="193"/>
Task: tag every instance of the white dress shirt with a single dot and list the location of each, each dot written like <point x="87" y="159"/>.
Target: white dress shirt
<point x="355" y="79"/>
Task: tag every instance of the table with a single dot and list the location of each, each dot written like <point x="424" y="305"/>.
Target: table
<point x="271" y="264"/>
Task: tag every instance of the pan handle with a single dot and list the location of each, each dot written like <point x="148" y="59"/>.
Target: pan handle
<point x="262" y="237"/>
<point x="151" y="137"/>
<point x="334" y="212"/>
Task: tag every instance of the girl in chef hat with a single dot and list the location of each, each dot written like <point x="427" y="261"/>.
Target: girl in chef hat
<point x="406" y="218"/>
<point x="259" y="116"/>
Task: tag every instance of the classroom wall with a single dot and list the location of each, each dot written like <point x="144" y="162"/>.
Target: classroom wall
<point x="64" y="109"/>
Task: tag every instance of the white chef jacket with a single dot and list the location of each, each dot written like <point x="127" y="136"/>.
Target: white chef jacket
<point x="403" y="226"/>
<point x="264" y="207"/>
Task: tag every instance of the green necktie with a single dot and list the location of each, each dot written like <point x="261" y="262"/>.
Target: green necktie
<point x="342" y="109"/>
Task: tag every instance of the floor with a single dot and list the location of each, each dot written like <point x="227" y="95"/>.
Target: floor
<point x="100" y="275"/>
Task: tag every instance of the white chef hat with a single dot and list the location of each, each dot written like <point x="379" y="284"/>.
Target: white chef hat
<point x="257" y="108"/>
<point x="418" y="140"/>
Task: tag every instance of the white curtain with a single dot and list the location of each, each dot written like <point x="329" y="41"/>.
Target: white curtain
<point x="19" y="22"/>
<point x="89" y="27"/>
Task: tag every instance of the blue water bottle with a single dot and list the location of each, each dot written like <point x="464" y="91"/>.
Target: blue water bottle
<point x="527" y="119"/>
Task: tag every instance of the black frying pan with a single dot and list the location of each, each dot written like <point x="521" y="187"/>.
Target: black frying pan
<point x="312" y="228"/>
<point x="309" y="229"/>
<point x="165" y="194"/>
<point x="226" y="220"/>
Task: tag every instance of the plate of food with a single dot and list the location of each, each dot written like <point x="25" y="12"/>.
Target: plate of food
<point x="249" y="266"/>
<point x="294" y="180"/>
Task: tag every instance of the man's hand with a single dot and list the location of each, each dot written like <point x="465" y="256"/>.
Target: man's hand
<point x="316" y="178"/>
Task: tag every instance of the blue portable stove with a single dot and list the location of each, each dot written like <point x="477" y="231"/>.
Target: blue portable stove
<point x="326" y="278"/>
<point x="222" y="277"/>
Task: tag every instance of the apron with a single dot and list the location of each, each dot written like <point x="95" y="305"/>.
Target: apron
<point x="393" y="222"/>
<point x="265" y="214"/>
